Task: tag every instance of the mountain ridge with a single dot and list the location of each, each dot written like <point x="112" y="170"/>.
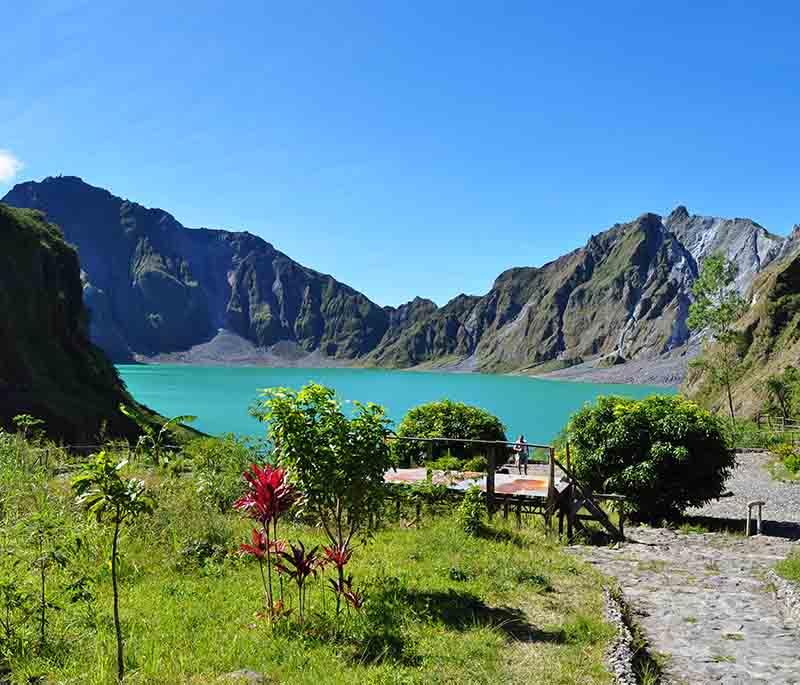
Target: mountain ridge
<point x="157" y="289"/>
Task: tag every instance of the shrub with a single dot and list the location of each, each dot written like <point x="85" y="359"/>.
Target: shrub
<point x="445" y="419"/>
<point x="106" y="494"/>
<point x="478" y="463"/>
<point x="789" y="455"/>
<point x="219" y="463"/>
<point x="470" y="511"/>
<point x="446" y="463"/>
<point x="665" y="453"/>
<point x="336" y="461"/>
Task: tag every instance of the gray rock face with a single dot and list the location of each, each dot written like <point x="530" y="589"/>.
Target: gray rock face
<point x="742" y="241"/>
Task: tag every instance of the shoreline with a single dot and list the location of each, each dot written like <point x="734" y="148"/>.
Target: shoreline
<point x="228" y="350"/>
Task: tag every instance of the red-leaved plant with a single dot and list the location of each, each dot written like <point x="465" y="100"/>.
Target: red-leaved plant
<point x="268" y="496"/>
<point x="258" y="550"/>
<point x="299" y="565"/>
<point x="338" y="555"/>
<point x="344" y="588"/>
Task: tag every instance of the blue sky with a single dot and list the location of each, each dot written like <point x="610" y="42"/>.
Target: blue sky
<point x="410" y="148"/>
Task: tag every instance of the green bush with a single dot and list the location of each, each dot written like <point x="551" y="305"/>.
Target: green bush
<point x="218" y="464"/>
<point x="448" y="462"/>
<point x="477" y="463"/>
<point x="746" y="434"/>
<point x="470" y="511"/>
<point x="789" y="455"/>
<point x="445" y="419"/>
<point x="664" y="453"/>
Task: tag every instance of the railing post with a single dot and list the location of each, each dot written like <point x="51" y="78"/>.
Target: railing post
<point x="491" y="467"/>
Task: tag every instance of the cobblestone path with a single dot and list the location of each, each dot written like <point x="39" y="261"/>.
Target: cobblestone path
<point x="703" y="602"/>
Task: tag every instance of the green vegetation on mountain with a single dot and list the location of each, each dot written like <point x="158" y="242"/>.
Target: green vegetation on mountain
<point x="154" y="286"/>
<point x="621" y="293"/>
<point x="48" y="367"/>
<point x="769" y="340"/>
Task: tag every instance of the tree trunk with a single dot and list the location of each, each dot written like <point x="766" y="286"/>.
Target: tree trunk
<point x="340" y="573"/>
<point x="117" y="626"/>
<point x="730" y="406"/>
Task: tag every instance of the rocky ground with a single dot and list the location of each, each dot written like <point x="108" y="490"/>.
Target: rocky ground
<point x="229" y="349"/>
<point x="706" y="602"/>
<point x="667" y="371"/>
<point x="752" y="481"/>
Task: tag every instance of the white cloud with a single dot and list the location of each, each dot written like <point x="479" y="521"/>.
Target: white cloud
<point x="10" y="166"/>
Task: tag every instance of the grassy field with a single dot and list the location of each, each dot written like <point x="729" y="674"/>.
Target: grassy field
<point x="441" y="606"/>
<point x="790" y="568"/>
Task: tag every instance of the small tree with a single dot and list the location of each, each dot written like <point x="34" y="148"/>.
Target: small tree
<point x="154" y="440"/>
<point x="105" y="493"/>
<point x="337" y="462"/>
<point x="664" y="453"/>
<point x="44" y="526"/>
<point x="446" y="419"/>
<point x="716" y="309"/>
<point x="781" y="392"/>
<point x="28" y="426"/>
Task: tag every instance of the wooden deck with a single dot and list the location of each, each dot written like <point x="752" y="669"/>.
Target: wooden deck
<point x="534" y="485"/>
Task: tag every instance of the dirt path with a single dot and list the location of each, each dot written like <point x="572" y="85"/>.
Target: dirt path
<point x="704" y="603"/>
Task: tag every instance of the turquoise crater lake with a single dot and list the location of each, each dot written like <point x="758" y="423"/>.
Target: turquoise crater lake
<point x="220" y="396"/>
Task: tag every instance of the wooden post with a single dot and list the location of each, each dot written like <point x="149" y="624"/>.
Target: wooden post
<point x="490" y="471"/>
<point x="519" y="513"/>
<point x="570" y="494"/>
<point x="505" y="508"/>
<point x="551" y="491"/>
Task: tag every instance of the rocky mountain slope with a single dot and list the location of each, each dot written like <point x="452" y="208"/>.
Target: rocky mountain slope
<point x="48" y="367"/>
<point x="159" y="290"/>
<point x="622" y="298"/>
<point x="771" y="335"/>
<point x="154" y="286"/>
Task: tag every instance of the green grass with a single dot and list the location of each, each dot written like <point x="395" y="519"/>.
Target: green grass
<point x="789" y="568"/>
<point x="442" y="607"/>
<point x="779" y="471"/>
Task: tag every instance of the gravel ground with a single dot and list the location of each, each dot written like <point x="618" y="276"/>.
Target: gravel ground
<point x="750" y="481"/>
<point x="666" y="372"/>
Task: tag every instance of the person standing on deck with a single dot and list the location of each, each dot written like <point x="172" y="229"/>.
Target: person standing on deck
<point x="522" y="451"/>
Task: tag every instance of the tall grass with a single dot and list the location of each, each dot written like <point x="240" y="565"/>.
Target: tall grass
<point x="441" y="606"/>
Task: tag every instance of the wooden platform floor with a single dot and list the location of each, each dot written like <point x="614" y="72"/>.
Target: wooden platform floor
<point x="535" y="484"/>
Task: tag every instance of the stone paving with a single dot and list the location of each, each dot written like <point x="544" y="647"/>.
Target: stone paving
<point x="705" y="603"/>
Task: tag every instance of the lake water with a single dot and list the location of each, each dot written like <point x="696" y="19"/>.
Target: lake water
<point x="220" y="396"/>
